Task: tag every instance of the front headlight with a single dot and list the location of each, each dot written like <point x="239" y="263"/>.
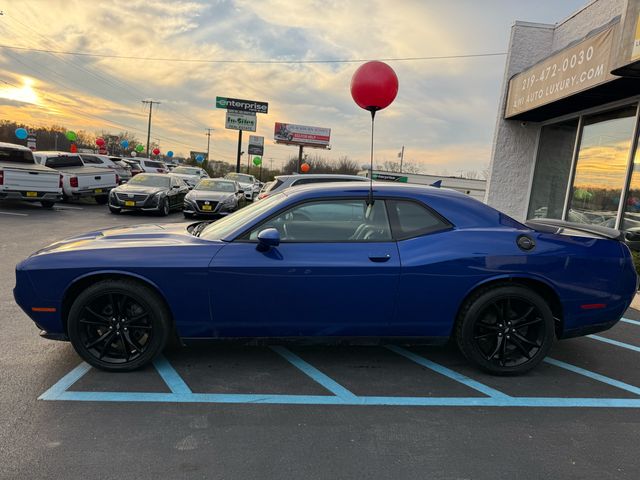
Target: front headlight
<point x="227" y="201"/>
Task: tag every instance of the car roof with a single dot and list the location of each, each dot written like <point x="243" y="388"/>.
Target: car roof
<point x="386" y="188"/>
<point x="14" y="146"/>
<point x="321" y="175"/>
<point x="56" y="152"/>
<point x="150" y="174"/>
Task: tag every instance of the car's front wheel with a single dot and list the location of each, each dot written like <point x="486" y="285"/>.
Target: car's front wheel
<point x="118" y="325"/>
<point x="114" y="210"/>
<point x="506" y="329"/>
<point x="164" y="208"/>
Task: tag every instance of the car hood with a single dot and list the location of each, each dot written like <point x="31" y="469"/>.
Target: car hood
<point x="139" y="189"/>
<point x="148" y="235"/>
<point x="185" y="175"/>
<point x="208" y="195"/>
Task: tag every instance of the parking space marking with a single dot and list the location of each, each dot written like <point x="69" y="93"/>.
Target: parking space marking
<point x="615" y="342"/>
<point x="69" y="208"/>
<point x="65" y="382"/>
<point x="324" y="380"/>
<point x="16" y="214"/>
<point x="174" y="381"/>
<point x="628" y="320"/>
<point x="595" y="376"/>
<point x="458" y="377"/>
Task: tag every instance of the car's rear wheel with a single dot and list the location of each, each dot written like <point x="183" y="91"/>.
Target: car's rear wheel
<point x="505" y="330"/>
<point x="47" y="204"/>
<point x="118" y="325"/>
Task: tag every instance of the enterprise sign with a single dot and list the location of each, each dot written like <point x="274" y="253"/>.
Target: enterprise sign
<point x="242" y="105"/>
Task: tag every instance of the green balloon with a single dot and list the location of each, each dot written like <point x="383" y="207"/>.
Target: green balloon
<point x="257" y="161"/>
<point x="71" y="136"/>
<point x="139" y="148"/>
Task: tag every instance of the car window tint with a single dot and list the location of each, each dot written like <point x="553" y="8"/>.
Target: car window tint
<point x="91" y="159"/>
<point x="411" y="219"/>
<point x="330" y="221"/>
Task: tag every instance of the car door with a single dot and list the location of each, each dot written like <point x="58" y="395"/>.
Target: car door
<point x="335" y="273"/>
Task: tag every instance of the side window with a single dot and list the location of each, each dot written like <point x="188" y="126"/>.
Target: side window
<point x="330" y="221"/>
<point x="306" y="181"/>
<point x="91" y="160"/>
<point x="410" y="219"/>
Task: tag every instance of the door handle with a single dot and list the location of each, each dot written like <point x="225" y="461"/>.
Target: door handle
<point x="380" y="258"/>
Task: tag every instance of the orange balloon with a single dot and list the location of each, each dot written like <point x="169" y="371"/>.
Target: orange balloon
<point x="304" y="168"/>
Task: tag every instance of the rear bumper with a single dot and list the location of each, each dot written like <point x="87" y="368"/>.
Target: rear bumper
<point x="22" y="195"/>
<point x="91" y="192"/>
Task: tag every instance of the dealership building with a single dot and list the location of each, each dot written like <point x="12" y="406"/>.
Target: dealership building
<point x="567" y="129"/>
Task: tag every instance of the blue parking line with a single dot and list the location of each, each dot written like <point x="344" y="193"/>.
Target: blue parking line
<point x="593" y="375"/>
<point x="453" y="375"/>
<point x="628" y="320"/>
<point x="324" y="380"/>
<point x="61" y="386"/>
<point x="174" y="381"/>
<point x="536" y="402"/>
<point x="615" y="342"/>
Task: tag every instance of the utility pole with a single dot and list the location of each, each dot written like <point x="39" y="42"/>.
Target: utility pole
<point x="150" y="102"/>
<point x="401" y="157"/>
<point x="208" y="140"/>
<point x="240" y="152"/>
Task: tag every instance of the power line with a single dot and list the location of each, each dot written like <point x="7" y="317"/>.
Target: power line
<point x="270" y="62"/>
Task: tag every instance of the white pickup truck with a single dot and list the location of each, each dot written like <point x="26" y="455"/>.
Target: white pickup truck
<point x="79" y="180"/>
<point x="21" y="178"/>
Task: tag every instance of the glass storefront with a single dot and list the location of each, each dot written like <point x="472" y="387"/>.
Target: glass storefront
<point x="597" y="165"/>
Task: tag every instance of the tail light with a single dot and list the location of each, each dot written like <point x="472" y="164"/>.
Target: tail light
<point x="262" y="196"/>
<point x="60" y="182"/>
<point x="73" y="181"/>
<point x="1" y="177"/>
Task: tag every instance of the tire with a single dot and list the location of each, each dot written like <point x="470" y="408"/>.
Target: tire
<point x="114" y="210"/>
<point x="47" y="203"/>
<point x="187" y="215"/>
<point x="505" y="329"/>
<point x="118" y="325"/>
<point x="102" y="200"/>
<point x="164" y="209"/>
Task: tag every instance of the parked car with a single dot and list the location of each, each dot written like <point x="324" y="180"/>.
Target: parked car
<point x="152" y="166"/>
<point x="134" y="165"/>
<point x="190" y="175"/>
<point x="282" y="182"/>
<point x="103" y="161"/>
<point x="21" y="178"/>
<point x="149" y="192"/>
<point x="410" y="261"/>
<point x="247" y="183"/>
<point x="78" y="180"/>
<point x="213" y="196"/>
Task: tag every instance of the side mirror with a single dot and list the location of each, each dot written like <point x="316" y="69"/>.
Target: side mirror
<point x="268" y="238"/>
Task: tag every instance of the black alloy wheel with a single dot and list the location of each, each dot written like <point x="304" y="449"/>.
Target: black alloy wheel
<point x="164" y="208"/>
<point x="506" y="330"/>
<point x="118" y="325"/>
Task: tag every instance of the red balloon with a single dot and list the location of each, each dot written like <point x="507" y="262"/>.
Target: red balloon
<point x="374" y="86"/>
<point x="156" y="151"/>
<point x="74" y="148"/>
<point x="304" y="168"/>
<point x="100" y="141"/>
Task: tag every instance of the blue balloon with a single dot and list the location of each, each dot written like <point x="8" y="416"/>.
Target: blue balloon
<point x="124" y="143"/>
<point x="199" y="159"/>
<point x="22" y="133"/>
<point x="170" y="154"/>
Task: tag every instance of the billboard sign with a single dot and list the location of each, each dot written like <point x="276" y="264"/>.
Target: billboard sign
<point x="256" y="145"/>
<point x="242" y="105"/>
<point x="241" y="121"/>
<point x="628" y="59"/>
<point x="304" y="135"/>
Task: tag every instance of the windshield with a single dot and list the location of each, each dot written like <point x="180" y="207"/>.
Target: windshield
<point x="187" y="171"/>
<point x="15" y="155"/>
<point x="152" y="164"/>
<point x="241" y="177"/>
<point x="216" y="186"/>
<point x="64" y="161"/>
<point x="223" y="227"/>
<point x="150" y="180"/>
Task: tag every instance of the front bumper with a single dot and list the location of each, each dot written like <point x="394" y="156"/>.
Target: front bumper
<point x="149" y="203"/>
<point x="219" y="209"/>
<point x="22" y="195"/>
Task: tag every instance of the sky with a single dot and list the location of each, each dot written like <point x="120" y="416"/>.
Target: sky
<point x="444" y="113"/>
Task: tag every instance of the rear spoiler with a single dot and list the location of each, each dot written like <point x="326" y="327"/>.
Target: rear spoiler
<point x="551" y="225"/>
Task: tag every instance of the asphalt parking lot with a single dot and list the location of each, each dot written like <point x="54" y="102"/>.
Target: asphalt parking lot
<point x="274" y="412"/>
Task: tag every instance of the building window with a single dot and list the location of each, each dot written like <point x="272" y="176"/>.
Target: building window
<point x="600" y="171"/>
<point x="553" y="167"/>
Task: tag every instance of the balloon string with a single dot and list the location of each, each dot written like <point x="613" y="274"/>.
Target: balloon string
<point x="370" y="201"/>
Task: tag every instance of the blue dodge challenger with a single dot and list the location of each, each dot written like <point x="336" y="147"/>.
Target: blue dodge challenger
<point x="402" y="263"/>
